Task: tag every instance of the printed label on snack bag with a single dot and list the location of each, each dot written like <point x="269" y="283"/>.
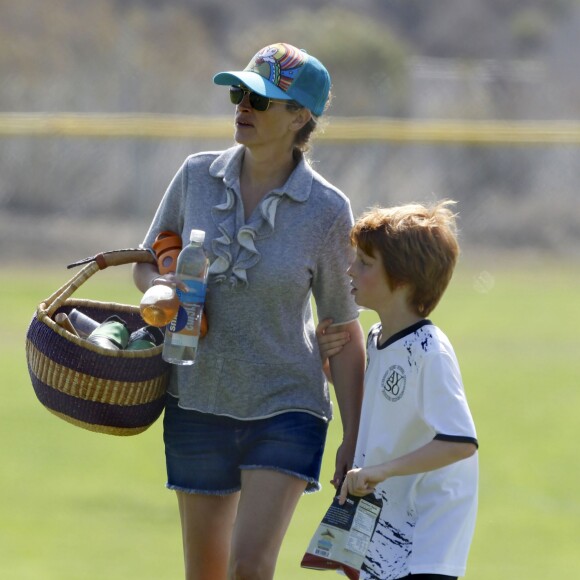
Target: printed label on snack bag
<point x="357" y="542"/>
<point x="343" y="537"/>
<point x="365" y="517"/>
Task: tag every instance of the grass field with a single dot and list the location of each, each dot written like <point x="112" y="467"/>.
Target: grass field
<point x="75" y="505"/>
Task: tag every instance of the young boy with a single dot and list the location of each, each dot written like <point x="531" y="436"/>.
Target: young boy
<point x="416" y="446"/>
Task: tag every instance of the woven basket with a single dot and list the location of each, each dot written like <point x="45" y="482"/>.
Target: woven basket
<point x="115" y="392"/>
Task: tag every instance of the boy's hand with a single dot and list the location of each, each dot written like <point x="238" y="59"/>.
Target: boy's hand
<point x="330" y="338"/>
<point x="330" y="342"/>
<point x="358" y="482"/>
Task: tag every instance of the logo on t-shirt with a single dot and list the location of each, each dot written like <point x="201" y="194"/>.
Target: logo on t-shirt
<point x="394" y="381"/>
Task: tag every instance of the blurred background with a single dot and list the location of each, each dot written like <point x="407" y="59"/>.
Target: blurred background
<point x="412" y="61"/>
<point x="100" y="103"/>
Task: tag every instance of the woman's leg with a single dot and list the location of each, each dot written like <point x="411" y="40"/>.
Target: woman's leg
<point x="267" y="502"/>
<point x="207" y="522"/>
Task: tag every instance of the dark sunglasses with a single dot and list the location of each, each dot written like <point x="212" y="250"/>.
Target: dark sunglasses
<point x="257" y="102"/>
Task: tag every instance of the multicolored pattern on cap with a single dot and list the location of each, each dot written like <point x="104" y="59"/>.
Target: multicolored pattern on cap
<point x="279" y="63"/>
<point x="282" y="71"/>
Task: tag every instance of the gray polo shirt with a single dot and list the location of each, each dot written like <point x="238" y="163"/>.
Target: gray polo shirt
<point x="260" y="356"/>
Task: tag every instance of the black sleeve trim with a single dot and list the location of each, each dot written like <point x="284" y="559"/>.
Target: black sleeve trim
<point x="457" y="439"/>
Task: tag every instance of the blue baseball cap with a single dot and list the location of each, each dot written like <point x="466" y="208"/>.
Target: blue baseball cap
<point x="282" y="71"/>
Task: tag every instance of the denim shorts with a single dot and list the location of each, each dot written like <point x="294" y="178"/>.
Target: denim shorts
<point x="206" y="453"/>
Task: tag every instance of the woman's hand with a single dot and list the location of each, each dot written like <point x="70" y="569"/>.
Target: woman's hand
<point x="146" y="275"/>
<point x="169" y="279"/>
<point x="343" y="463"/>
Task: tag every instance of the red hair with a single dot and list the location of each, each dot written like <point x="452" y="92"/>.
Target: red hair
<point x="417" y="245"/>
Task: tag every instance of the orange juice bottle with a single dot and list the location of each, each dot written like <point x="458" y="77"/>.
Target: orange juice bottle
<point x="159" y="305"/>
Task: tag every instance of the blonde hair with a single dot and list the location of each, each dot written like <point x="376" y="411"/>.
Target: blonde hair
<point x="302" y="140"/>
<point x="417" y="245"/>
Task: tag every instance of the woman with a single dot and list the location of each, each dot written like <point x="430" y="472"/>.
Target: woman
<point x="245" y="427"/>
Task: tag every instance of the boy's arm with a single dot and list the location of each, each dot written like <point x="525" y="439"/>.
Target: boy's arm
<point x="347" y="368"/>
<point x="433" y="455"/>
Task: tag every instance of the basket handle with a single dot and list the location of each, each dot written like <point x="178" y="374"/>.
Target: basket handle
<point x="117" y="258"/>
<point x="93" y="265"/>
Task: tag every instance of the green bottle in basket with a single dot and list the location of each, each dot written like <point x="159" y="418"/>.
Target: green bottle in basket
<point x="111" y="334"/>
<point x="183" y="332"/>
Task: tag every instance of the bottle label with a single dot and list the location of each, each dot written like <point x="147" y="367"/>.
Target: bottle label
<point x="185" y="326"/>
<point x="195" y="292"/>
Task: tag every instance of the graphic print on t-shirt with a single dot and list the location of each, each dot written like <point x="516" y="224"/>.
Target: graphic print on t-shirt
<point x="393" y="384"/>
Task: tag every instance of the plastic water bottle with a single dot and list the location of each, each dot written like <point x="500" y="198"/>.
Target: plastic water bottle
<point x="183" y="332"/>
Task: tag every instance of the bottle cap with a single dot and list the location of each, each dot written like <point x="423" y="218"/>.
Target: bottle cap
<point x="197" y="236"/>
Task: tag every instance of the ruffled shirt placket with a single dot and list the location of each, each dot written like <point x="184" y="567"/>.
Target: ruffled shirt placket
<point x="235" y="249"/>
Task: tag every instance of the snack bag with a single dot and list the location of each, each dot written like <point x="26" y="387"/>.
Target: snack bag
<point x="343" y="537"/>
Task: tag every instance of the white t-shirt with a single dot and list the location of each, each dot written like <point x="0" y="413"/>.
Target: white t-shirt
<point x="414" y="394"/>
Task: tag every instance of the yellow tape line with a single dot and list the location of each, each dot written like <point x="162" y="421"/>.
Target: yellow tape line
<point x="339" y="129"/>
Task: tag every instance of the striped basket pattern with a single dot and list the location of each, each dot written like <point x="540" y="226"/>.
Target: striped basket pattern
<point x="102" y="390"/>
